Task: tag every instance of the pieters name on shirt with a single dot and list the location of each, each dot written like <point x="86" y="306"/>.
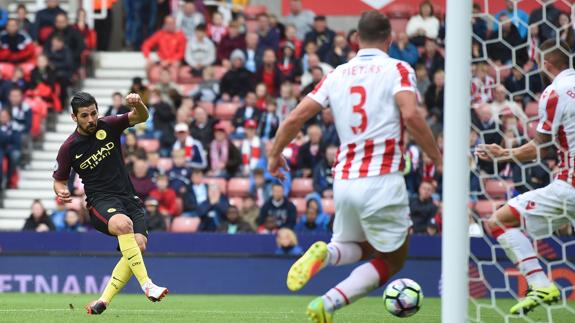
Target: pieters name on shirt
<point x="93" y="161"/>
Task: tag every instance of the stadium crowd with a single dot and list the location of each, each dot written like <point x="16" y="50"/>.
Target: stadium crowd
<point x="220" y="83"/>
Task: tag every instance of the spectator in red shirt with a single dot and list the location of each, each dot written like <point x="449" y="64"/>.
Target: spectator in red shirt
<point x="15" y="46"/>
<point x="269" y="73"/>
<point x="229" y="42"/>
<point x="166" y="197"/>
<point x="170" y="45"/>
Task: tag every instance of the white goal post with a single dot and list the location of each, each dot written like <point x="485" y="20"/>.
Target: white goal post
<point x="455" y="243"/>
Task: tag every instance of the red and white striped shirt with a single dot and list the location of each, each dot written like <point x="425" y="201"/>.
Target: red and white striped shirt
<point x="557" y="118"/>
<point x="361" y="94"/>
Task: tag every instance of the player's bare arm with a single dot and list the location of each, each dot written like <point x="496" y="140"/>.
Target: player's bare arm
<point x="139" y="111"/>
<point x="61" y="190"/>
<point x="287" y="131"/>
<point x="538" y="147"/>
<point x="417" y="127"/>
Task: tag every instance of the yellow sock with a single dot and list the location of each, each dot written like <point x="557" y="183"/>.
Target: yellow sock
<point x="131" y="252"/>
<point x="120" y="276"/>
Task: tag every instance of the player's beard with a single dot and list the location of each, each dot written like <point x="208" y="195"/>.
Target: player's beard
<point x="89" y="129"/>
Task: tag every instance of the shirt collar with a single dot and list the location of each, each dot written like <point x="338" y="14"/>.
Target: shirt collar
<point x="565" y="73"/>
<point x="367" y="52"/>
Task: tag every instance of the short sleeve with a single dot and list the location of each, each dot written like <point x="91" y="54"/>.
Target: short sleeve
<point x="63" y="163"/>
<point x="118" y="122"/>
<point x="547" y="111"/>
<point x="320" y="93"/>
<point x="404" y="79"/>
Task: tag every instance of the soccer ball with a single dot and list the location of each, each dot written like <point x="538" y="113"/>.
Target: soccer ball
<point x="403" y="297"/>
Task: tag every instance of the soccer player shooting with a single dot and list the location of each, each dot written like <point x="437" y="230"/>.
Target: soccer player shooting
<point x="372" y="97"/>
<point x="546" y="209"/>
<point x="94" y="152"/>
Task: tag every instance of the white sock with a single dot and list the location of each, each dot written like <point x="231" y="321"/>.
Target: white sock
<point x="521" y="252"/>
<point x="359" y="283"/>
<point x="342" y="253"/>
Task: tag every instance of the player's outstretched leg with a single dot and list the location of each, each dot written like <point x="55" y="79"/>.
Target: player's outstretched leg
<point x="121" y="226"/>
<point x="120" y="276"/>
<point x="318" y="256"/>
<point x="504" y="225"/>
<point x="359" y="283"/>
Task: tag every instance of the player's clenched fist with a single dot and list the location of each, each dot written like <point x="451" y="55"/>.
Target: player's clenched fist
<point x="133" y="99"/>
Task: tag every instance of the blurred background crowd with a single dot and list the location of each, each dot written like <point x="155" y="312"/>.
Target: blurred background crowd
<point x="219" y="84"/>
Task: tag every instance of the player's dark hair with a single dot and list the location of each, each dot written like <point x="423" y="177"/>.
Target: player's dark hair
<point x="373" y="26"/>
<point x="556" y="53"/>
<point x="82" y="100"/>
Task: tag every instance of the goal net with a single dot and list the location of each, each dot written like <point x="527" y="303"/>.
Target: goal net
<point x="506" y="87"/>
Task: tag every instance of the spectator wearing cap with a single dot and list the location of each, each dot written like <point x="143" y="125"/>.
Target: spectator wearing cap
<point x="401" y="48"/>
<point x="423" y="25"/>
<point x="422" y="207"/>
<point x="117" y="107"/>
<point x="202" y="126"/>
<point x="253" y="52"/>
<point x="170" y="45"/>
<point x="200" y="51"/>
<point x="188" y="19"/>
<point x="225" y="157"/>
<point x="72" y="38"/>
<point x="238" y="81"/>
<point x="268" y="37"/>
<point x="288" y="64"/>
<point x="16" y="46"/>
<point x="194" y="150"/>
<point x="244" y="113"/>
<point x="155" y="219"/>
<point x="234" y="223"/>
<point x="230" y="42"/>
<point x="213" y="210"/>
<point x="44" y="21"/>
<point x="251" y="147"/>
<point x="269" y="73"/>
<point x="141" y="179"/>
<point x="166" y="197"/>
<point x="279" y="208"/>
<point x="301" y="19"/>
<point x="322" y="36"/>
<point x="180" y="173"/>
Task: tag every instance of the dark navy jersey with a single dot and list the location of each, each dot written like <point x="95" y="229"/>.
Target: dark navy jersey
<point x="97" y="158"/>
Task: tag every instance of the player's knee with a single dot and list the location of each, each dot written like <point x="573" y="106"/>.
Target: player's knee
<point x="120" y="224"/>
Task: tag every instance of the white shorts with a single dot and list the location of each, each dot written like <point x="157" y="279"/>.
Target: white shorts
<point x="374" y="208"/>
<point x="546" y="209"/>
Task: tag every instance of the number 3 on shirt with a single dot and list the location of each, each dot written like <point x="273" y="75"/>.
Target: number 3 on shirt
<point x="358" y="108"/>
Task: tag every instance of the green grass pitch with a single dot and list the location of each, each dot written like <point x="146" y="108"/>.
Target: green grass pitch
<point x="209" y="308"/>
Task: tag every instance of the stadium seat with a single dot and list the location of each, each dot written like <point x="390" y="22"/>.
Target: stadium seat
<point x="165" y="164"/>
<point x="208" y="106"/>
<point x="531" y="110"/>
<point x="300" y="187"/>
<point x="328" y="206"/>
<point x="237" y="202"/>
<point x="225" y="110"/>
<point x="253" y="11"/>
<point x="238" y="187"/>
<point x="484" y="208"/>
<point x="149" y="145"/>
<point x="221" y="182"/>
<point x="497" y="189"/>
<point x="300" y="204"/>
<point x="185" y="224"/>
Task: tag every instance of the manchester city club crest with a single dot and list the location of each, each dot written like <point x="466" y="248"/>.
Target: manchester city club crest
<point x="101" y="134"/>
